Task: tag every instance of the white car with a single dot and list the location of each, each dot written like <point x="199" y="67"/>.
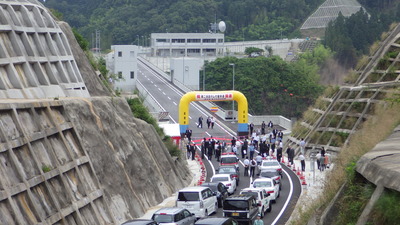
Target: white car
<point x="263" y="199"/>
<point x="269" y="185"/>
<point x="227" y="179"/>
<point x="271" y="164"/>
<point x="201" y="201"/>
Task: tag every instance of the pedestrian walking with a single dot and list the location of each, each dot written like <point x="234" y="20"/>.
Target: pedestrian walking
<point x="218" y="150"/>
<point x="302" y="162"/>
<point x="251" y="128"/>
<point x="246" y="163"/>
<point x="258" y="221"/>
<point x="322" y="162"/>
<point x="208" y="122"/>
<point x="253" y="165"/>
<point x="200" y="122"/>
<point x="302" y="146"/>
<point x="188" y="134"/>
<point x="212" y="122"/>
<point x="291" y="155"/>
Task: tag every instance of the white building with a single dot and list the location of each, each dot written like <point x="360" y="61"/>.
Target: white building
<point x="122" y="61"/>
<point x="187" y="44"/>
<point x="186" y="71"/>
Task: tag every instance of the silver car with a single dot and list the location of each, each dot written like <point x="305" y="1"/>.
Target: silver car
<point x="174" y="215"/>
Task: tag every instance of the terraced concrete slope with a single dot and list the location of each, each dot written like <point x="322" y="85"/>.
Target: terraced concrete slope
<point x="67" y="157"/>
<point x="334" y="117"/>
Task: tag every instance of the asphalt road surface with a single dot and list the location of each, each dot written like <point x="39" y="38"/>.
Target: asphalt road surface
<point x="168" y="97"/>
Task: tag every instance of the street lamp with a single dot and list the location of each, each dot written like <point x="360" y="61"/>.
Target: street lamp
<point x="204" y="72"/>
<point x="233" y="88"/>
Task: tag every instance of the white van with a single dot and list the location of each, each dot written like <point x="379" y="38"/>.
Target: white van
<point x="198" y="200"/>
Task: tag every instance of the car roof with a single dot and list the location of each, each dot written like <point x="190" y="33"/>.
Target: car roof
<point x="252" y="189"/>
<point x="226" y="166"/>
<point x="169" y="210"/>
<point x="263" y="179"/>
<point x="212" y="220"/>
<point x="138" y="222"/>
<point x="211" y="184"/>
<point x="221" y="175"/>
<point x="239" y="197"/>
<point x="192" y="189"/>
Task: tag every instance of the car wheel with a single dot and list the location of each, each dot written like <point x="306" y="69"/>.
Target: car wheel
<point x="280" y="187"/>
<point x="270" y="207"/>
<point x="279" y="194"/>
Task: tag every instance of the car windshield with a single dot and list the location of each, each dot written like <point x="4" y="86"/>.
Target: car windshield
<point x="163" y="218"/>
<point x="255" y="194"/>
<point x="235" y="205"/>
<point x="188" y="196"/>
<point x="218" y="179"/>
<point x="226" y="170"/>
<point x="228" y="160"/>
<point x="261" y="184"/>
<point x="270" y="163"/>
<point x="212" y="187"/>
<point x="268" y="174"/>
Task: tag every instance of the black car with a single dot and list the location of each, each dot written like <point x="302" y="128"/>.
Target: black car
<point x="140" y="222"/>
<point x="242" y="208"/>
<point x="229" y="170"/>
<point x="217" y="221"/>
<point x="220" y="190"/>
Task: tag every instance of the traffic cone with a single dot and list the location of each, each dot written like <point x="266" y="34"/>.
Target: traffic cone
<point x="304" y="182"/>
<point x="283" y="159"/>
<point x="298" y="171"/>
<point x="294" y="168"/>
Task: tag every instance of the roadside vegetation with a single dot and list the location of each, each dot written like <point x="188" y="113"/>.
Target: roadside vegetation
<point x="141" y="112"/>
<point x="386" y="118"/>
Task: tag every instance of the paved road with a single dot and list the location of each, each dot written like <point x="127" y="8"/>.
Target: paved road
<point x="169" y="96"/>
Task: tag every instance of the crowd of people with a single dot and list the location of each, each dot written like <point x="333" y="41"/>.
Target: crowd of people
<point x="267" y="141"/>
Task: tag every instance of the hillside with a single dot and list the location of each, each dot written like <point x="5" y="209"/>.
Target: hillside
<point x="126" y="22"/>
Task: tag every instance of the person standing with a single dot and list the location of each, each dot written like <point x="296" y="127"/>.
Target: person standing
<point x="203" y="148"/>
<point x="193" y="150"/>
<point x="233" y="141"/>
<point x="208" y="122"/>
<point x="258" y="221"/>
<point x="279" y="154"/>
<point x="318" y="156"/>
<point x="200" y="125"/>
<point x="189" y="134"/>
<point x="251" y="128"/>
<point x="291" y="155"/>
<point x="251" y="150"/>
<point x="246" y="163"/>
<point x="302" y="146"/>
<point x="302" y="162"/>
<point x="213" y="142"/>
<point x="253" y="165"/>
<point x="218" y="150"/>
<point x="209" y="150"/>
<point x="263" y="126"/>
<point x="244" y="148"/>
<point x="322" y="162"/>
<point x="212" y="122"/>
<point x="270" y="124"/>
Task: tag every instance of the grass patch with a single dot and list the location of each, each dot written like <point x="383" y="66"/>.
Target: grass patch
<point x="385" y="120"/>
<point x="387" y="208"/>
<point x="299" y="131"/>
<point x="46" y="168"/>
<point x="331" y="91"/>
<point x="351" y="78"/>
<point x="141" y="112"/>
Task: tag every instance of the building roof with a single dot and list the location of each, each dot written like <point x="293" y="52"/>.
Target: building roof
<point x="328" y="11"/>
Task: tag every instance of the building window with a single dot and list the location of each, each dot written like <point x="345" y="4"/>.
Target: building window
<point x="132" y="75"/>
<point x="120" y="75"/>
<point x="132" y="54"/>
<point x="162" y="40"/>
<point x="209" y="40"/>
<point x="119" y="54"/>
<point x="194" y="40"/>
<point x="220" y="40"/>
<point x="178" y="40"/>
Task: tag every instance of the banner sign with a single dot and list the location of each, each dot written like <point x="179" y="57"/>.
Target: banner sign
<point x="214" y="96"/>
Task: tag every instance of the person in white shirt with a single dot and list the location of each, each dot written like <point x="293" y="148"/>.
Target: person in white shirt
<point x="302" y="162"/>
<point x="246" y="163"/>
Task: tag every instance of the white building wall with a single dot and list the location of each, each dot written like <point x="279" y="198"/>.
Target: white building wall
<point x="123" y="62"/>
<point x="186" y="71"/>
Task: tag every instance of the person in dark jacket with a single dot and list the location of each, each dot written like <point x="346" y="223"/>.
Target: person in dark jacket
<point x="193" y="150"/>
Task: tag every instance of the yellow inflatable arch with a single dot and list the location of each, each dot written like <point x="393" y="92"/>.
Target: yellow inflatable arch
<point x="214" y="96"/>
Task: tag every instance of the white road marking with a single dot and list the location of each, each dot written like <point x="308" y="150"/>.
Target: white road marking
<point x="174" y="103"/>
<point x="169" y="98"/>
<point x="287" y="200"/>
<point x="190" y="117"/>
<point x="164" y="93"/>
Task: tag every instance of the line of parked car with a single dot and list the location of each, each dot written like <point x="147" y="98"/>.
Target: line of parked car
<point x="195" y="204"/>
